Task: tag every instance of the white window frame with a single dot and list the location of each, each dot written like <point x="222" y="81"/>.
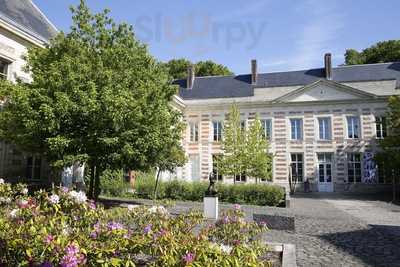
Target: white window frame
<point x="262" y="120"/>
<point x="382" y="129"/>
<point x="317" y="120"/>
<point x="219" y="130"/>
<point x="7" y="68"/>
<point x="290" y="128"/>
<point x="194" y="131"/>
<point x="347" y="127"/>
<point x="348" y="162"/>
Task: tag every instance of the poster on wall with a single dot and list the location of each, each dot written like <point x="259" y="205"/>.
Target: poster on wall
<point x="370" y="169"/>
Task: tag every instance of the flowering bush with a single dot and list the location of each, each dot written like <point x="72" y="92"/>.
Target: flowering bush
<point x="63" y="228"/>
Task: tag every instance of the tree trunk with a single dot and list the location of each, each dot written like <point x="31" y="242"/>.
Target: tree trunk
<point x="156" y="186"/>
<point x="97" y="187"/>
<point x="91" y="182"/>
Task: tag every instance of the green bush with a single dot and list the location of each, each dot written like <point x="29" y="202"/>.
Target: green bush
<point x="255" y="194"/>
<point x="113" y="183"/>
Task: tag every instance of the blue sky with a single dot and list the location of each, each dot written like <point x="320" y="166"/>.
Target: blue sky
<point x="281" y="35"/>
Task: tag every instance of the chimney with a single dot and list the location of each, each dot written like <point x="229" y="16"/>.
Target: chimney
<point x="190" y="77"/>
<point x="328" y="66"/>
<point x="254" y="73"/>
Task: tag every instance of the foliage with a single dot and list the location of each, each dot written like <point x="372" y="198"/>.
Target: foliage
<point x="386" y="51"/>
<point x="177" y="68"/>
<point x="253" y="194"/>
<point x="113" y="183"/>
<point x="97" y="96"/>
<point x="64" y="229"/>
<point x="245" y="150"/>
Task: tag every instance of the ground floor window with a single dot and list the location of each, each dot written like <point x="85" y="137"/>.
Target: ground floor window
<point x="354" y="167"/>
<point x="194" y="161"/>
<point x="297" y="166"/>
<point x="240" y="178"/>
<point x="33" y="168"/>
<point x="215" y="171"/>
<point x="325" y="167"/>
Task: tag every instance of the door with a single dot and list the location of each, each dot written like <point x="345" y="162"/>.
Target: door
<point x="325" y="172"/>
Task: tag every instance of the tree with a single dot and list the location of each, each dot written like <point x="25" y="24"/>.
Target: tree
<point x="389" y="157"/>
<point x="245" y="150"/>
<point x="258" y="159"/>
<point x="386" y="51"/>
<point x="177" y="68"/>
<point x="97" y="96"/>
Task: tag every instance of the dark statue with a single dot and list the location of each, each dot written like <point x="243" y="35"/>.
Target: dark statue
<point x="211" y="191"/>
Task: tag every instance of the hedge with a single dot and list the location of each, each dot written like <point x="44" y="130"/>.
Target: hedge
<point x="254" y="194"/>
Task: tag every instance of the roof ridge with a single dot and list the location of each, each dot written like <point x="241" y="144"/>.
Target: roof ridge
<point x="362" y="65"/>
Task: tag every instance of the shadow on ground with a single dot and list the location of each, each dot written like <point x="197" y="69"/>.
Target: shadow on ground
<point x="379" y="245"/>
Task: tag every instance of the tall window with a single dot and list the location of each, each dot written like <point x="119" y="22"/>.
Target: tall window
<point x="241" y="177"/>
<point x="354" y="167"/>
<point x="194" y="131"/>
<point x="381" y="127"/>
<point x="297" y="166"/>
<point x="3" y="69"/>
<point x="33" y="167"/>
<point x="324" y="125"/>
<point x="267" y="128"/>
<point x="353" y="127"/>
<point x="195" y="167"/>
<point x="217" y="125"/>
<point x="296" y="126"/>
<point x="215" y="171"/>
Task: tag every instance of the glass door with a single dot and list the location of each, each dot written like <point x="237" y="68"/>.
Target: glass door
<point x="325" y="172"/>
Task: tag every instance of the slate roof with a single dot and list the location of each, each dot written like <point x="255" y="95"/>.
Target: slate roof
<point x="24" y="15"/>
<point x="240" y="85"/>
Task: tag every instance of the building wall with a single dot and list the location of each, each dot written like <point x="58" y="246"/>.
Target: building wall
<point x="281" y="145"/>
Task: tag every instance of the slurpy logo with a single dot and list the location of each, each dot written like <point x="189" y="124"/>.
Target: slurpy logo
<point x="199" y="28"/>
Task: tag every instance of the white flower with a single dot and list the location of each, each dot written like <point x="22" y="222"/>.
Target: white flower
<point x="54" y="199"/>
<point x="14" y="213"/>
<point x="158" y="209"/>
<point x="5" y="200"/>
<point x="24" y="191"/>
<point x="79" y="197"/>
<point x="66" y="230"/>
<point x="225" y="248"/>
<point x="132" y="207"/>
<point x="1" y="181"/>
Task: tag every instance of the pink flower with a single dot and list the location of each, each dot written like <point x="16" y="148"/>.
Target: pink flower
<point x="72" y="257"/>
<point x="188" y="258"/>
<point x="92" y="205"/>
<point x="262" y="224"/>
<point x="23" y="204"/>
<point x="236" y="207"/>
<point x="114" y="226"/>
<point x="147" y="229"/>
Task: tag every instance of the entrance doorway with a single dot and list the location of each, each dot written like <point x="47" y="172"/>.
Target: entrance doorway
<point x="325" y="172"/>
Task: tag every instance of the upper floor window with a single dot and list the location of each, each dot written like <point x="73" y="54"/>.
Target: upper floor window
<point x="217" y="126"/>
<point x="194" y="131"/>
<point x="267" y="128"/>
<point x="353" y="127"/>
<point x="381" y="128"/>
<point x="324" y="125"/>
<point x="354" y="167"/>
<point x="296" y="126"/>
<point x="3" y="69"/>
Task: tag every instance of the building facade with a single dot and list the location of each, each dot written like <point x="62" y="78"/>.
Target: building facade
<point x="22" y="25"/>
<point x="323" y="125"/>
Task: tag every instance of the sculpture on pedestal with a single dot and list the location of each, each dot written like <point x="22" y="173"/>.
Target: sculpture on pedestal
<point x="211" y="191"/>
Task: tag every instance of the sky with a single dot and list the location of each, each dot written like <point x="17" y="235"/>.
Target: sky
<point x="281" y="34"/>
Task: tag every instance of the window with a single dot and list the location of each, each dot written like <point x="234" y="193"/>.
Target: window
<point x="267" y="128"/>
<point x="296" y="129"/>
<point x="195" y="167"/>
<point x="243" y="125"/>
<point x="324" y="125"/>
<point x="354" y="167"/>
<point x="33" y="167"/>
<point x="297" y="166"/>
<point x="194" y="132"/>
<point x="218" y="175"/>
<point x="353" y="127"/>
<point x="217" y="125"/>
<point x="3" y="69"/>
<point x="240" y="178"/>
<point x="381" y="127"/>
<point x="324" y="167"/>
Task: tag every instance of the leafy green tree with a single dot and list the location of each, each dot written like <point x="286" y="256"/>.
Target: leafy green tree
<point x="389" y="157"/>
<point x="177" y="68"/>
<point x="259" y="161"/>
<point x="386" y="51"/>
<point x="97" y="96"/>
<point x="246" y="151"/>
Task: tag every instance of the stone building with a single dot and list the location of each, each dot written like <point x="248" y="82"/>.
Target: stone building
<point x="22" y="25"/>
<point x="322" y="123"/>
